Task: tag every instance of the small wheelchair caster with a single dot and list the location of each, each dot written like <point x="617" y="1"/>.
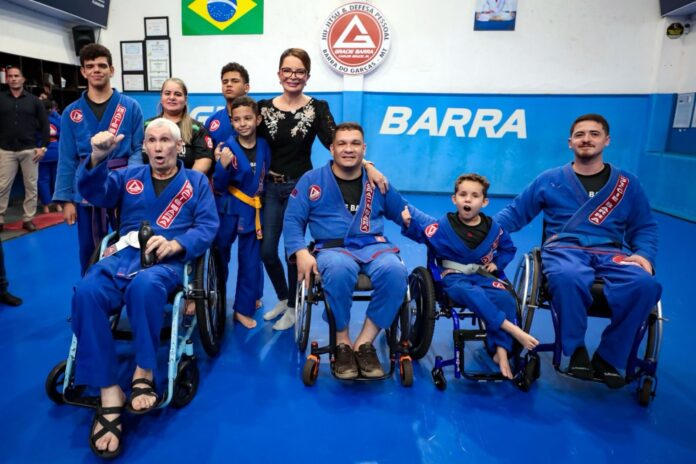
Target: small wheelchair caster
<point x="310" y="371"/>
<point x="645" y="391"/>
<point x="529" y="374"/>
<point x="406" y="371"/>
<point x="439" y="379"/>
<point x="186" y="382"/>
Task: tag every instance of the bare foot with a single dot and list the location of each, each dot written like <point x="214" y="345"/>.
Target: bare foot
<point x="46" y="210"/>
<point x="527" y="341"/>
<point x="501" y="358"/>
<point x="144" y="400"/>
<point x="246" y="321"/>
<point x="259" y="304"/>
<point x="59" y="208"/>
<point x="110" y="397"/>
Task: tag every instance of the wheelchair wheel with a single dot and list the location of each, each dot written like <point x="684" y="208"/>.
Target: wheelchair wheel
<point x="54" y="385"/>
<point x="645" y="391"/>
<point x="406" y="372"/>
<point x="303" y="317"/>
<point x="421" y="312"/>
<point x="439" y="379"/>
<point x="211" y="307"/>
<point x="186" y="382"/>
<point x="529" y="374"/>
<point x="310" y="371"/>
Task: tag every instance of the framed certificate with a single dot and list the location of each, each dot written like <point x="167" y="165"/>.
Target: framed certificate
<point x="157" y="26"/>
<point x="133" y="82"/>
<point x="132" y="56"/>
<point x="158" y="63"/>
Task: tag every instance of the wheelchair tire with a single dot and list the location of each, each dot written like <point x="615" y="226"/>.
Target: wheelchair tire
<point x="439" y="379"/>
<point x="310" y="371"/>
<point x="421" y="312"/>
<point x="211" y="311"/>
<point x="54" y="385"/>
<point x="406" y="372"/>
<point x="303" y="318"/>
<point x="529" y="374"/>
<point x="645" y="392"/>
<point x="186" y="382"/>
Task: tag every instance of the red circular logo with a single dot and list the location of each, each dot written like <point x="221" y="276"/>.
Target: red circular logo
<point x="134" y="187"/>
<point x="431" y="229"/>
<point x="76" y="116"/>
<point x="314" y="192"/>
<point x="355" y="38"/>
<point x="214" y="125"/>
<point x="497" y="284"/>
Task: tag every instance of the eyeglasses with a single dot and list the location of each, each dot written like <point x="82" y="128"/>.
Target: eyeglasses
<point x="288" y="72"/>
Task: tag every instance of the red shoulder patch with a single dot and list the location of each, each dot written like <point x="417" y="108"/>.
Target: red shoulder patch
<point x="215" y="125"/>
<point x="134" y="187"/>
<point x="314" y="192"/>
<point x="76" y="116"/>
<point x="431" y="229"/>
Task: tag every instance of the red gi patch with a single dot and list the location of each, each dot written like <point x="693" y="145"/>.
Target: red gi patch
<point x="209" y="142"/>
<point x="233" y="161"/>
<point x="367" y="212"/>
<point x="497" y="284"/>
<point x="314" y="192"/>
<point x="431" y="229"/>
<point x="214" y="125"/>
<point x="134" y="187"/>
<point x="174" y="207"/>
<point x="621" y="259"/>
<point x="76" y="116"/>
<point x="604" y="210"/>
<point x="117" y="119"/>
<point x="53" y="131"/>
<point x="293" y="193"/>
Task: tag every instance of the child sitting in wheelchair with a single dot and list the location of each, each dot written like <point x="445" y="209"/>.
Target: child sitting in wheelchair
<point x="472" y="251"/>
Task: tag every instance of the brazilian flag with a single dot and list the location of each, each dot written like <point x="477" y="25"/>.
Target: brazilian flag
<point x="221" y="17"/>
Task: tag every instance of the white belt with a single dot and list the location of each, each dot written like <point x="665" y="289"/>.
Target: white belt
<point x="461" y="268"/>
<point x="130" y="239"/>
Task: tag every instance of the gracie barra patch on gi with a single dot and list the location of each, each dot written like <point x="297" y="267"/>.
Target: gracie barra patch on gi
<point x="314" y="192"/>
<point x="117" y="119"/>
<point x="621" y="259"/>
<point x="76" y="116"/>
<point x="604" y="210"/>
<point x="134" y="187"/>
<point x="367" y="212"/>
<point x="293" y="193"/>
<point x="431" y="229"/>
<point x="209" y="142"/>
<point x="174" y="207"/>
<point x="497" y="284"/>
<point x="215" y="125"/>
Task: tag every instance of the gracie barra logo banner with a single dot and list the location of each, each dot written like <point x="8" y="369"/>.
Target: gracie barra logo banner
<point x="174" y="207"/>
<point x="355" y="38"/>
<point x="117" y="119"/>
<point x="604" y="210"/>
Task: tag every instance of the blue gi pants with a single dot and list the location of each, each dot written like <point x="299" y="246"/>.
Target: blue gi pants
<point x="339" y="274"/>
<point x="102" y="293"/>
<point x="249" y="270"/>
<point x="92" y="227"/>
<point x="493" y="305"/>
<point x="630" y="291"/>
<point x="47" y="181"/>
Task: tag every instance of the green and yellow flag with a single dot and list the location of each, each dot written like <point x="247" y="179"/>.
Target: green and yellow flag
<point x="221" y="17"/>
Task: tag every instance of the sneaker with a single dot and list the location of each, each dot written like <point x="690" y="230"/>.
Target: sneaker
<point x="608" y="373"/>
<point x="9" y="299"/>
<point x="345" y="366"/>
<point x="368" y="362"/>
<point x="579" y="365"/>
<point x="29" y="226"/>
<point x="287" y="321"/>
<point x="276" y="311"/>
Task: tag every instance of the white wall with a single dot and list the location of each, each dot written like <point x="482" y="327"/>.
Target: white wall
<point x="560" y="46"/>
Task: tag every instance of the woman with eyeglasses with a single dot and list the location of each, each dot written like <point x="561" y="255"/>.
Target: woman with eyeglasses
<point x="291" y="123"/>
<point x="198" y="146"/>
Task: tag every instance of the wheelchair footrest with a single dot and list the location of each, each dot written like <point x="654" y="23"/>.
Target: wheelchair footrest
<point x="464" y="335"/>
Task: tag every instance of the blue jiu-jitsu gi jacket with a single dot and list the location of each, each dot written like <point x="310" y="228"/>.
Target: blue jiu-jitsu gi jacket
<point x="78" y="124"/>
<point x="317" y="201"/>
<point x="618" y="215"/>
<point x="184" y="211"/>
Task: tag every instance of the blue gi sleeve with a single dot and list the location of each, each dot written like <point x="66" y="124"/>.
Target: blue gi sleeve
<point x="641" y="227"/>
<point x="68" y="161"/>
<point x="522" y="210"/>
<point x="199" y="237"/>
<point x="506" y="251"/>
<point x="419" y="221"/>
<point x="394" y="204"/>
<point x="99" y="186"/>
<point x="136" y="152"/>
<point x="296" y="217"/>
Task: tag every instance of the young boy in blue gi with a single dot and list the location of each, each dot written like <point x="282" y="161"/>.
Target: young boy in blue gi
<point x="242" y="163"/>
<point x="345" y="214"/>
<point x="465" y="243"/>
<point x="598" y="224"/>
<point x="101" y="108"/>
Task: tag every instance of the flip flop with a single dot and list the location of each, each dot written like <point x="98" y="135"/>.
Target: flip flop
<point x="139" y="391"/>
<point x="107" y="427"/>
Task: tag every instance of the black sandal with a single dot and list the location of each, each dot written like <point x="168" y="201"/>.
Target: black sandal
<point x="108" y="426"/>
<point x="139" y="391"/>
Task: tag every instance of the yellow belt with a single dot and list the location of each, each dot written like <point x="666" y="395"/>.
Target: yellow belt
<point x="254" y="202"/>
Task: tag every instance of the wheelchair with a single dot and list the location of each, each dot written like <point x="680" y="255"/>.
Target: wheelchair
<point x="532" y="288"/>
<point x="201" y="283"/>
<point x="397" y="334"/>
<point x="430" y="302"/>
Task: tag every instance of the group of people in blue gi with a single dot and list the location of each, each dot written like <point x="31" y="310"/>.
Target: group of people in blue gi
<point x="593" y="213"/>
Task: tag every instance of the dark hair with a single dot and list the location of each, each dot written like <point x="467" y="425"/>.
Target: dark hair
<point x="591" y="117"/>
<point x="49" y="105"/>
<point x="473" y="177"/>
<point x="245" y="101"/>
<point x="235" y="67"/>
<point x="347" y="126"/>
<point x="298" y="53"/>
<point x="14" y="66"/>
<point x="93" y="51"/>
